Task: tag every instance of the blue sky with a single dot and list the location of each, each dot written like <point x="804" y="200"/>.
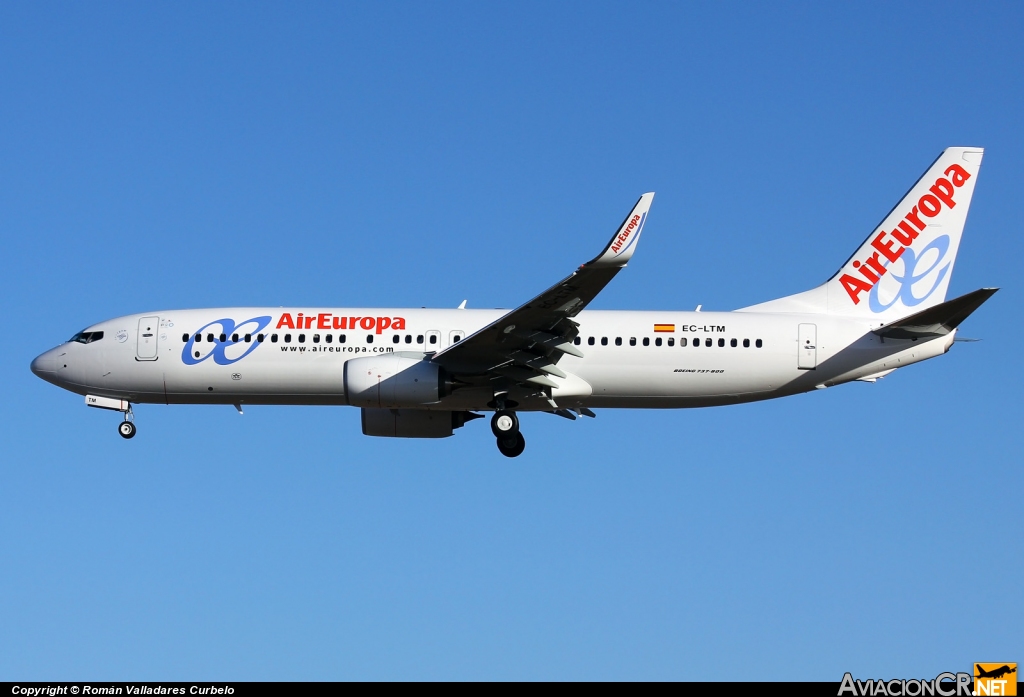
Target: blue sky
<point x="158" y="156"/>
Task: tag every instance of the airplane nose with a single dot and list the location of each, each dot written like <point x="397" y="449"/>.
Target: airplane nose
<point x="42" y="366"/>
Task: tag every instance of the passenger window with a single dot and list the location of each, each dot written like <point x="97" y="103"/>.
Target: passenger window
<point x="184" y="338"/>
<point x="234" y="338"/>
<point x="657" y="342"/>
<point x="671" y="341"/>
<point x="248" y="338"/>
<point x="433" y="338"/>
<point x="287" y="338"/>
<point x="369" y="338"/>
<point x="209" y="337"/>
<point x="273" y="338"/>
<point x="456" y="338"/>
<point x="647" y="341"/>
<point x="707" y="342"/>
<point x="316" y="338"/>
<point x="341" y="338"/>
<point x="199" y="338"/>
<point x="259" y="338"/>
<point x="577" y="341"/>
<point x="302" y="338"/>
<point x="328" y="338"/>
<point x="419" y="338"/>
<point x="604" y="341"/>
<point x="618" y="341"/>
<point x="223" y="338"/>
<point x="632" y="341"/>
<point x="682" y="342"/>
<point x="732" y="342"/>
<point x="721" y="343"/>
<point x="696" y="343"/>
<point x="395" y="339"/>
<point x="746" y="343"/>
<point x="408" y="338"/>
<point x="758" y="343"/>
<point x="590" y="341"/>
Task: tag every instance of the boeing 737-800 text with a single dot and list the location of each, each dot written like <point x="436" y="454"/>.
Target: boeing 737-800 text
<point x="419" y="373"/>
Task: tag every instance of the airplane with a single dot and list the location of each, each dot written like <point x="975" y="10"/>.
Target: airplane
<point x="423" y="373"/>
<point x="995" y="673"/>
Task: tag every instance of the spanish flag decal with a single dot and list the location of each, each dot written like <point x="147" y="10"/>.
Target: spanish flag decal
<point x="664" y="327"/>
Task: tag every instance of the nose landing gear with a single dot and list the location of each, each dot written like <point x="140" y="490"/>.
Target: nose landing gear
<point x="127" y="427"/>
<point x="505" y="427"/>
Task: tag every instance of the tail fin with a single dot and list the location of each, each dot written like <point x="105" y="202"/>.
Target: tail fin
<point x="905" y="264"/>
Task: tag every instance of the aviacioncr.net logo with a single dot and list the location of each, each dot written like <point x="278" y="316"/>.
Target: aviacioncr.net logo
<point x="223" y="352"/>
<point x="922" y="274"/>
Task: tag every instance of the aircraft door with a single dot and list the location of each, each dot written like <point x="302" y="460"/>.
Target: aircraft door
<point x="807" y="350"/>
<point x="432" y="341"/>
<point x="149" y="329"/>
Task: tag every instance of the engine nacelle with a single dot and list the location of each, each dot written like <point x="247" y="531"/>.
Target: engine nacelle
<point x="413" y="423"/>
<point x="393" y="380"/>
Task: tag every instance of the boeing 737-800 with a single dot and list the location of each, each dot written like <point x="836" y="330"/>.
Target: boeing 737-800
<point x="422" y="373"/>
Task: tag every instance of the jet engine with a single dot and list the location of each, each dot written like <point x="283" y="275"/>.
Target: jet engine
<point x="394" y="380"/>
<point x="413" y="423"/>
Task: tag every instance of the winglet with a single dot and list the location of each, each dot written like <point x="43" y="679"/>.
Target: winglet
<point x="623" y="243"/>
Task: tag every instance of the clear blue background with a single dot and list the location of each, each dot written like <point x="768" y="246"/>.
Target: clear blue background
<point x="157" y="156"/>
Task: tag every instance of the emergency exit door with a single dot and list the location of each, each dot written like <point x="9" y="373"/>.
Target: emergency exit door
<point x="807" y="351"/>
<point x="149" y="328"/>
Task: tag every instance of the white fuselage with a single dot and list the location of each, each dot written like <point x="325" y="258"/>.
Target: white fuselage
<point x="696" y="359"/>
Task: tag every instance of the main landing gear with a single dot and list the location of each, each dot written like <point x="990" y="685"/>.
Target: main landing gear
<point x="505" y="427"/>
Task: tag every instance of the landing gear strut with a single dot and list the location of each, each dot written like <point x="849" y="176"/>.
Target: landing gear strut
<point x="505" y="427"/>
<point x="126" y="428"/>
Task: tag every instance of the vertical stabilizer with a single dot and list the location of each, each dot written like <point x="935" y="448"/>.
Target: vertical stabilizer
<point x="905" y="264"/>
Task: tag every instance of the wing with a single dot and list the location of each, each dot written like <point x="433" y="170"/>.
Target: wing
<point x="524" y="345"/>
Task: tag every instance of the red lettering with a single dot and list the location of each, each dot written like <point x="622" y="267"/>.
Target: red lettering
<point x="854" y="287"/>
<point x="323" y="320"/>
<point x="958" y="174"/>
<point x="366" y="322"/>
<point x="865" y="272"/>
<point x="933" y="206"/>
<point x="382" y="324"/>
<point x="876" y="265"/>
<point x="398" y="323"/>
<point x="905" y="234"/>
<point x="309" y="322"/>
<point x="286" y="321"/>
<point x="298" y="321"/>
<point x="352" y="322"/>
<point x="340" y="323"/>
<point x="886" y="248"/>
<point x="944" y="190"/>
<point x="914" y="217"/>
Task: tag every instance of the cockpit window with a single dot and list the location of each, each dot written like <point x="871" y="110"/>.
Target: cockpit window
<point x="87" y="337"/>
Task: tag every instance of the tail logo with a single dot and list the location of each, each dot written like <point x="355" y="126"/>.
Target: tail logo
<point x="911" y="277"/>
<point x="890" y="246"/>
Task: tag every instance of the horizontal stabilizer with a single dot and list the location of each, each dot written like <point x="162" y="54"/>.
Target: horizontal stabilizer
<point x="938" y="320"/>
